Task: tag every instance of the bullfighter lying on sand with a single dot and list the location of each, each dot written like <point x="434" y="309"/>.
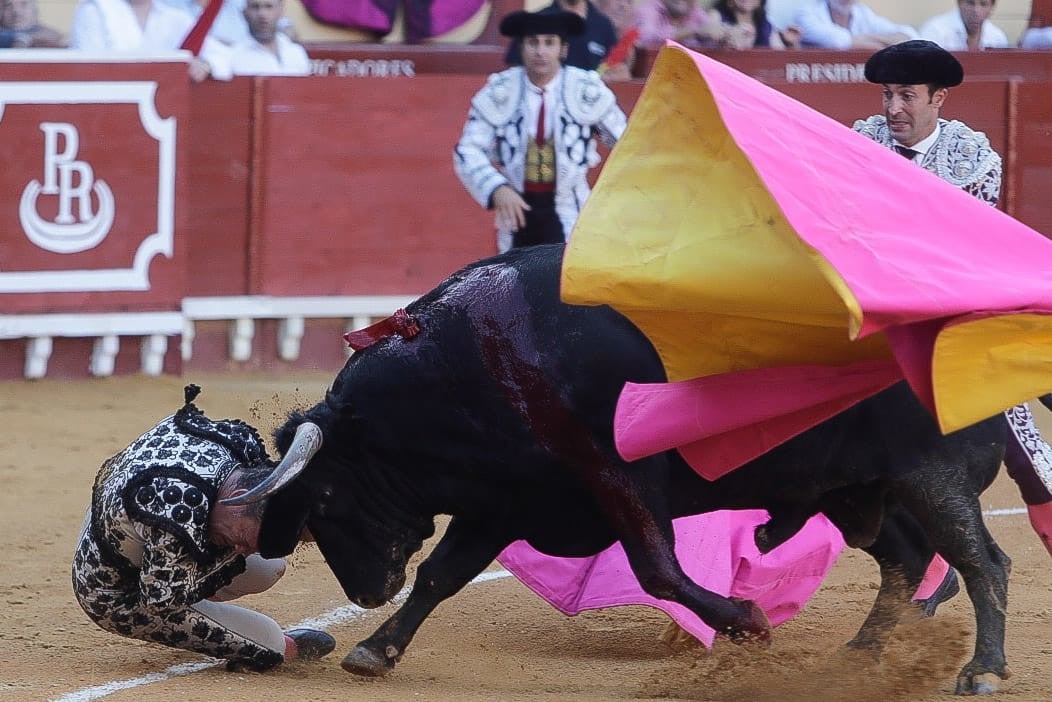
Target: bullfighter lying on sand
<point x="159" y="553"/>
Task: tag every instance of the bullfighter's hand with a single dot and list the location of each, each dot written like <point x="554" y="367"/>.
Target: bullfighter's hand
<point x="510" y="208"/>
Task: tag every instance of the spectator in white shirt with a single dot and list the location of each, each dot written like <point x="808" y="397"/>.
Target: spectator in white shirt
<point x="846" y="24"/>
<point x="968" y="28"/>
<point x="268" y="52"/>
<point x="142" y="26"/>
<point x="229" y="26"/>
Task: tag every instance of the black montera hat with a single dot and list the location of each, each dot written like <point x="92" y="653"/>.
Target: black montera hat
<point x="915" y="62"/>
<point x="548" y="21"/>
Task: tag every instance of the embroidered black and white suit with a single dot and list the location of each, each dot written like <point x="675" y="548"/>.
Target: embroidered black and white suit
<point x="144" y="559"/>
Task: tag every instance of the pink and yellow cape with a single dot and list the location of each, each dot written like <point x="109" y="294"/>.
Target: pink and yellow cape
<point x="785" y="268"/>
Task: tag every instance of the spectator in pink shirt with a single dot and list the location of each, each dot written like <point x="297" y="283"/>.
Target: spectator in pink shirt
<point x="681" y="21"/>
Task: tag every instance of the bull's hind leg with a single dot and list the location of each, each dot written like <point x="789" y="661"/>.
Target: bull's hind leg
<point x="463" y="552"/>
<point x="902" y="551"/>
<point x="984" y="567"/>
<point x="958" y="533"/>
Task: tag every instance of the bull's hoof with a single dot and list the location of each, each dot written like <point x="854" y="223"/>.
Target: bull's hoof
<point x="363" y="661"/>
<point x="985" y="684"/>
<point x="982" y="684"/>
<point x="754" y="626"/>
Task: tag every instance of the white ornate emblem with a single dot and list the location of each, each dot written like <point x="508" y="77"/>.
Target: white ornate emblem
<point x="69" y="180"/>
<point x="78" y="226"/>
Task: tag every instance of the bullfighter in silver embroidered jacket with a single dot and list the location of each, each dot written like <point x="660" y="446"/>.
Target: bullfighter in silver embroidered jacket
<point x="530" y="136"/>
<point x="957" y="154"/>
<point x="159" y="552"/>
<point x="915" y="77"/>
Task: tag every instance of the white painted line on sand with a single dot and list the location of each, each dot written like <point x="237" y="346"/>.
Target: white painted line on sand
<point x="323" y="622"/>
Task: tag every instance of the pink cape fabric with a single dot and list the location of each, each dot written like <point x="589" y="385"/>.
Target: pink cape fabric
<point x="716" y="550"/>
<point x="913" y="274"/>
<point x="717" y="427"/>
<point x="422" y="21"/>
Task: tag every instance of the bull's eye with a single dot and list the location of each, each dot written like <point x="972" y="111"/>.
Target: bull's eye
<point x="322" y="503"/>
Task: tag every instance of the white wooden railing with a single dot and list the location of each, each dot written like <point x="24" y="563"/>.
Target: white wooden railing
<point x="155" y="328"/>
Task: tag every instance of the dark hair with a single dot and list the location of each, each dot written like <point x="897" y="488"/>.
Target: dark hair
<point x="759" y="19"/>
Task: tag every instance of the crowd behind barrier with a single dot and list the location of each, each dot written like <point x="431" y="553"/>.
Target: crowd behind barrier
<point x="722" y="23"/>
<point x="242" y="226"/>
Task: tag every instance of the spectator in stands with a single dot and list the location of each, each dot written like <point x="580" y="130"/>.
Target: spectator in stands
<point x="137" y="26"/>
<point x="268" y="52"/>
<point x="751" y="15"/>
<point x="685" y="22"/>
<point x="530" y="136"/>
<point x="967" y="28"/>
<point x="587" y="50"/>
<point x="622" y="56"/>
<point x="1039" y="32"/>
<point x="20" y="27"/>
<point x="229" y="26"/>
<point x="847" y="24"/>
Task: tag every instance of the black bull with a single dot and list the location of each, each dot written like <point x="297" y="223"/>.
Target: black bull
<point x="499" y="413"/>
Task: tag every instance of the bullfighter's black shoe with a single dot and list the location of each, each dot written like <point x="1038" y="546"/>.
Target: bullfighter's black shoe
<point x="947" y="590"/>
<point x="311" y="644"/>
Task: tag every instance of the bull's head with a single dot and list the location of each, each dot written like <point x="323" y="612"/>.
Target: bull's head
<point x="355" y="534"/>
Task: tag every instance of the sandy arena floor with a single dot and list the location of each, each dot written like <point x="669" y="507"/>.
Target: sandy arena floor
<point x="494" y="641"/>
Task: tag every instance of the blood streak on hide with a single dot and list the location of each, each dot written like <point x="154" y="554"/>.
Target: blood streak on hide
<point x="502" y="320"/>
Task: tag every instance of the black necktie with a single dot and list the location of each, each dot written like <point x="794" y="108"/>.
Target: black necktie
<point x="905" y="151"/>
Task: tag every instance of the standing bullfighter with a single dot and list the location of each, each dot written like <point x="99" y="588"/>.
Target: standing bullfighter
<point x="530" y="136"/>
<point x="915" y="77"/>
<point x="159" y="553"/>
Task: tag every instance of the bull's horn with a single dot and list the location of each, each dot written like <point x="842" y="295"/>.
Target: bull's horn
<point x="305" y="444"/>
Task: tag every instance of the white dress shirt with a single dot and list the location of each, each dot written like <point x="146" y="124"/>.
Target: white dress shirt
<point x="250" y="58"/>
<point x="924" y="145"/>
<point x="819" y="30"/>
<point x="533" y="105"/>
<point x="105" y="26"/>
<point x="948" y="31"/>
<point x="229" y="27"/>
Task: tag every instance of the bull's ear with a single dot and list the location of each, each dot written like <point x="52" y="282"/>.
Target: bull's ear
<point x="284" y="518"/>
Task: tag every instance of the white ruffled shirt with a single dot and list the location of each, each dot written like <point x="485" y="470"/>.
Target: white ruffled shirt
<point x="948" y="31"/>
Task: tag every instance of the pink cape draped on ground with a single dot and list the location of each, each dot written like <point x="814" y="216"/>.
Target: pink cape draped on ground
<point x="780" y="287"/>
<point x="716" y="551"/>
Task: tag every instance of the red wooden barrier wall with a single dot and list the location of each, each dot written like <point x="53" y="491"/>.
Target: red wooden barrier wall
<point x="112" y="138"/>
<point x="326" y="186"/>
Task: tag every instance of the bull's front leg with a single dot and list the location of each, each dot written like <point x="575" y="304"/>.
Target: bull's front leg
<point x="464" y="551"/>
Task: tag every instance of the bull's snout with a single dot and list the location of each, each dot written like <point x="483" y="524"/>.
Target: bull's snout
<point x="391" y="587"/>
<point x="371" y="601"/>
